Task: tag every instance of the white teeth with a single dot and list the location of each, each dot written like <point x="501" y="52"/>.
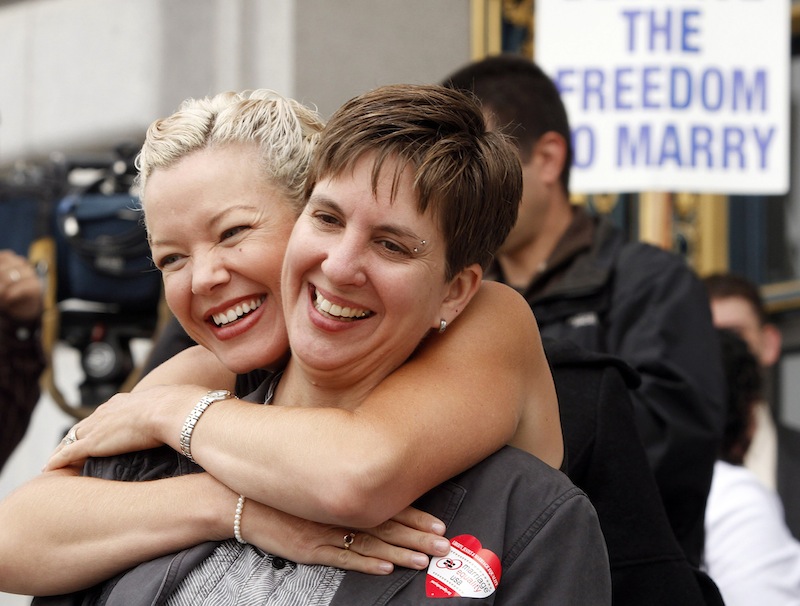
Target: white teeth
<point x="338" y="311"/>
<point x="226" y="317"/>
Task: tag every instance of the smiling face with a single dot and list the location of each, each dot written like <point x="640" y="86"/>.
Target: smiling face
<point x="218" y="231"/>
<point x="363" y="276"/>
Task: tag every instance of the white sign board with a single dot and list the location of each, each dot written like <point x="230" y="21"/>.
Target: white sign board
<point x="672" y="95"/>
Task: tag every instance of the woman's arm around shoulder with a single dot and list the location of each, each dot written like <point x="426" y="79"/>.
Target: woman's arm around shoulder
<point x="62" y="532"/>
<point x="461" y="397"/>
<point x="466" y="393"/>
<point x="96" y="528"/>
<point x="486" y="384"/>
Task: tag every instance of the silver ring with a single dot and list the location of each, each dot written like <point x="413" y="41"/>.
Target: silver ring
<point x="14" y="275"/>
<point x="72" y="436"/>
<point x="348" y="540"/>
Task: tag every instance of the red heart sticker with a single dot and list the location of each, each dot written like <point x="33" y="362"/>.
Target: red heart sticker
<point x="468" y="571"/>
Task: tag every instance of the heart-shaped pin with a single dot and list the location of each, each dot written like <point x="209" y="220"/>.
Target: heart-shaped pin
<point x="468" y="571"/>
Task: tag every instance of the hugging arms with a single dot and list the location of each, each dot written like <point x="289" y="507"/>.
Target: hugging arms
<point x="289" y="462"/>
<point x="343" y="468"/>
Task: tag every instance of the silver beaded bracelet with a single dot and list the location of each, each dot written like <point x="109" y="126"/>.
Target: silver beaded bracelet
<point x="191" y="420"/>
<point x="237" y="520"/>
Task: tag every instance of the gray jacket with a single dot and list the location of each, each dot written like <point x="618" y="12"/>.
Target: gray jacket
<point x="543" y="529"/>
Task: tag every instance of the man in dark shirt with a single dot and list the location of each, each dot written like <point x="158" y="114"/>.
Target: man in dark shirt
<point x="586" y="284"/>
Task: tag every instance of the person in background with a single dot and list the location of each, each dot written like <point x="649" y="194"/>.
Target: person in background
<point x="21" y="357"/>
<point x="586" y="283"/>
<point x="750" y="552"/>
<point x="737" y="305"/>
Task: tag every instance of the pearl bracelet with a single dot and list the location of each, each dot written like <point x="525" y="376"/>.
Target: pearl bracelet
<point x="237" y="520"/>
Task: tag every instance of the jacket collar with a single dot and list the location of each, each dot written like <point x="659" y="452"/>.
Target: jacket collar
<point x="583" y="260"/>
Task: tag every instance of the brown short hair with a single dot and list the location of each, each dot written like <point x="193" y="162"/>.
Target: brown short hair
<point x="469" y="177"/>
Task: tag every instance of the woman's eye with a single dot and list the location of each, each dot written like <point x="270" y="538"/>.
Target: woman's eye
<point x="394" y="248"/>
<point x="326" y="219"/>
<point x="164" y="262"/>
<point x="229" y="233"/>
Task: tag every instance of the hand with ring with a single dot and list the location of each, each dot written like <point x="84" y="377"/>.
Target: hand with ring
<point x="125" y="424"/>
<point x="71" y="437"/>
<point x="406" y="540"/>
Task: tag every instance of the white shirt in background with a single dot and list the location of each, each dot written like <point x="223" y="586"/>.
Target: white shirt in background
<point x="750" y="552"/>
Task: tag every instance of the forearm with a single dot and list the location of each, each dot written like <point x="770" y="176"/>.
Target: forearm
<point x="459" y="399"/>
<point x="294" y="458"/>
<point x="326" y="465"/>
<point x="88" y="529"/>
<point x="442" y="412"/>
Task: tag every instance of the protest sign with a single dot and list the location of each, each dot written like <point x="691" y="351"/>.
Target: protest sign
<point x="672" y="95"/>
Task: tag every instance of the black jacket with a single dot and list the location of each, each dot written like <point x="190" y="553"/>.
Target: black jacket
<point x="605" y="458"/>
<point x="645" y="306"/>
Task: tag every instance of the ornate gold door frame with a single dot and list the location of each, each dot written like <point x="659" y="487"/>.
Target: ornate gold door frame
<point x="698" y="221"/>
<point x="486" y="28"/>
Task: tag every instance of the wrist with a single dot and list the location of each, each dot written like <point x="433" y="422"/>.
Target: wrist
<point x="168" y="407"/>
<point x="215" y="515"/>
<point x="193" y="418"/>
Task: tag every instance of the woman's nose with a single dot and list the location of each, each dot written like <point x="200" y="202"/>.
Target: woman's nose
<point x="344" y="262"/>
<point x="208" y="271"/>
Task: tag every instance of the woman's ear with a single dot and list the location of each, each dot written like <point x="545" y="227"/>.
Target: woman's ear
<point x="460" y="292"/>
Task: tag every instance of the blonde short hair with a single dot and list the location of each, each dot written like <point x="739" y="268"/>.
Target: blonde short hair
<point x="284" y="130"/>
